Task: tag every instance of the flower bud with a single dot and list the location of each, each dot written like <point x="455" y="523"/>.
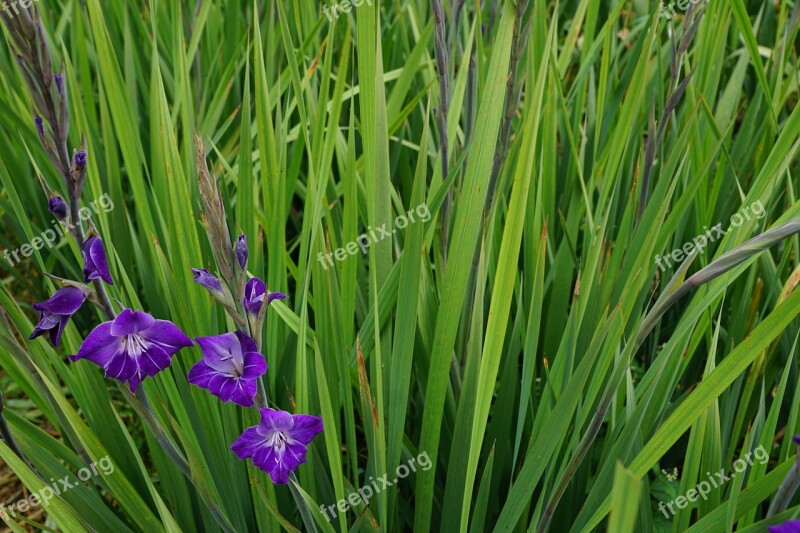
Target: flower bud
<point x="95" y="260"/>
<point x="242" y="251"/>
<point x="80" y="159"/>
<point x="204" y="278"/>
<point x="58" y="207"/>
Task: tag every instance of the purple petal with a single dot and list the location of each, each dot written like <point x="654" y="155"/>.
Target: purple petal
<point x="49" y="321"/>
<point x="247" y="344"/>
<point x="245" y="393"/>
<point x="130" y="322"/>
<point x="273" y="420"/>
<point x="791" y="526"/>
<point x="275" y="296"/>
<point x="168" y="336"/>
<point x="64" y="301"/>
<point x="122" y="367"/>
<point x="216" y="383"/>
<point x="58" y="207"/>
<point x="224" y="391"/>
<point x="99" y="347"/>
<point x="254" y="293"/>
<point x="37" y="332"/>
<point x="242" y="251"/>
<point x="204" y="278"/>
<point x="200" y="374"/>
<point x="154" y="360"/>
<point x="223" y="352"/>
<point x="96" y="262"/>
<point x="46" y="323"/>
<point x="80" y="158"/>
<point x="248" y="443"/>
<point x="55" y="333"/>
<point x="279" y="463"/>
<point x="305" y="428"/>
<point x="254" y="366"/>
<point x="796" y="439"/>
<point x="134" y="382"/>
<point x="227" y="389"/>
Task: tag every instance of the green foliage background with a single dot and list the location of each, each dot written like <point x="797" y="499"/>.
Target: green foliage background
<point x="491" y="353"/>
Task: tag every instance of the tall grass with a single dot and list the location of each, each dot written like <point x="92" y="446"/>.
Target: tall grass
<point x="522" y="338"/>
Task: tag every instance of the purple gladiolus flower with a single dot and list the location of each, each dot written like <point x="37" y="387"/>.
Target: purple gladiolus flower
<point x="230" y="368"/>
<point x="279" y="443"/>
<point x="58" y="207"/>
<point x="255" y="292"/>
<point x="39" y="125"/>
<point x="242" y="251"/>
<point x="133" y="346"/>
<point x="59" y="82"/>
<point x="56" y="312"/>
<point x="95" y="261"/>
<point x="791" y="526"/>
<point x="796" y="439"/>
<point x="204" y="278"/>
<point x="80" y="159"/>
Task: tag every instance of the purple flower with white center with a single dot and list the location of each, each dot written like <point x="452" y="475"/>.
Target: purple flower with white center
<point x="230" y="368"/>
<point x="242" y="251"/>
<point x="95" y="260"/>
<point x="79" y="159"/>
<point x="791" y="526"/>
<point x="56" y="312"/>
<point x="58" y="207"/>
<point x="59" y="82"/>
<point x="133" y="346"/>
<point x="204" y="278"/>
<point x="255" y="292"/>
<point x="39" y="125"/>
<point x="279" y="443"/>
